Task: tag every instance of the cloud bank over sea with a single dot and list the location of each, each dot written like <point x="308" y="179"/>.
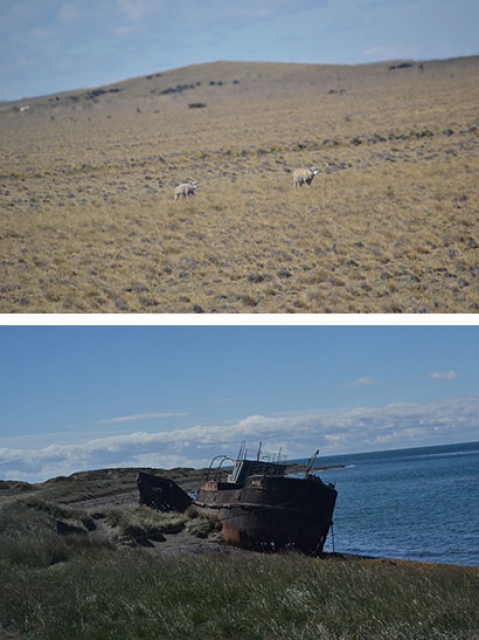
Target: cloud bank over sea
<point x="353" y="430"/>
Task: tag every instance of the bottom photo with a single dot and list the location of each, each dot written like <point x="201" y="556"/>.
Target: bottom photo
<point x="245" y="481"/>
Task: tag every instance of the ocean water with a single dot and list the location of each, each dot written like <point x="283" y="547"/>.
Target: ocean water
<point x="417" y="504"/>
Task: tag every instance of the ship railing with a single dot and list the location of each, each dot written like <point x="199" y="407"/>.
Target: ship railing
<point x="217" y="472"/>
<point x="260" y="455"/>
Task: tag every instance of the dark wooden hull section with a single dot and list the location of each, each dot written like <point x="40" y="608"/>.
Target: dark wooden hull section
<point x="271" y="512"/>
<point x="161" y="493"/>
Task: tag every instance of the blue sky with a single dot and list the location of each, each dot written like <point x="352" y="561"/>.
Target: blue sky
<point x="85" y="397"/>
<point x="56" y="45"/>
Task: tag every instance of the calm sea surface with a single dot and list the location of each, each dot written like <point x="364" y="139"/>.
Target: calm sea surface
<point x="416" y="504"/>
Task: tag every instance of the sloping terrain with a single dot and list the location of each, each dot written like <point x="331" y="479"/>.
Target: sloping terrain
<point x="102" y="507"/>
<point x="90" y="569"/>
<point x="390" y="223"/>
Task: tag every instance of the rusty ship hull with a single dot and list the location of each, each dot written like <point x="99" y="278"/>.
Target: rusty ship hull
<point x="259" y="506"/>
<point x="271" y="512"/>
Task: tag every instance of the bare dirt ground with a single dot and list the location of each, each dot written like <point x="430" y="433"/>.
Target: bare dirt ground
<point x="169" y="542"/>
<point x="389" y="225"/>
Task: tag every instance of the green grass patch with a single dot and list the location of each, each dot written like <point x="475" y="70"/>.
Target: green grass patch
<point x="67" y="582"/>
<point x="134" y="594"/>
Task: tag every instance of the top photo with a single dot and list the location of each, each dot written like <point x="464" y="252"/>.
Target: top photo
<point x="263" y="157"/>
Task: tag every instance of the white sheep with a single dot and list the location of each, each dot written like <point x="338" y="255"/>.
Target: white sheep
<point x="186" y="189"/>
<point x="304" y="176"/>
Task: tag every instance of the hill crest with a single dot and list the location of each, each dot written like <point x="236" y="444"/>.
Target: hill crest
<point x="224" y="74"/>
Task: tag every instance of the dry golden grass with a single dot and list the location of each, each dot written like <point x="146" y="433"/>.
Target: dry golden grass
<point x="390" y="224"/>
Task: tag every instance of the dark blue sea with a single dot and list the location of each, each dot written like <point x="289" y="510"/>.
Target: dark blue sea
<point x="416" y="504"/>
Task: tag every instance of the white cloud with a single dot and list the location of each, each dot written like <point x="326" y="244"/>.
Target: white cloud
<point x="42" y="33"/>
<point x="346" y="431"/>
<point x="138" y="417"/>
<point x="360" y="382"/>
<point x="265" y="9"/>
<point x="250" y="9"/>
<point x="68" y="12"/>
<point x="195" y="13"/>
<point x="377" y="4"/>
<point x="137" y="10"/>
<point x="346" y="23"/>
<point x="443" y="375"/>
<point x="123" y="32"/>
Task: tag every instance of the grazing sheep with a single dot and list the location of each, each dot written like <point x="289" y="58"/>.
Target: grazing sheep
<point x="186" y="189"/>
<point x="304" y="176"/>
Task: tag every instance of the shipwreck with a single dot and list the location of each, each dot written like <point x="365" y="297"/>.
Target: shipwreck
<point x="258" y="504"/>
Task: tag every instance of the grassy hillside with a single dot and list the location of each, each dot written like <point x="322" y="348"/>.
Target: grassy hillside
<point x="89" y="570"/>
<point x="390" y="224"/>
<point x="90" y="485"/>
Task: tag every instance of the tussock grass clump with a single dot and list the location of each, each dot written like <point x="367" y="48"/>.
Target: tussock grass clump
<point x="38" y="534"/>
<point x="201" y="526"/>
<point x="142" y="524"/>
